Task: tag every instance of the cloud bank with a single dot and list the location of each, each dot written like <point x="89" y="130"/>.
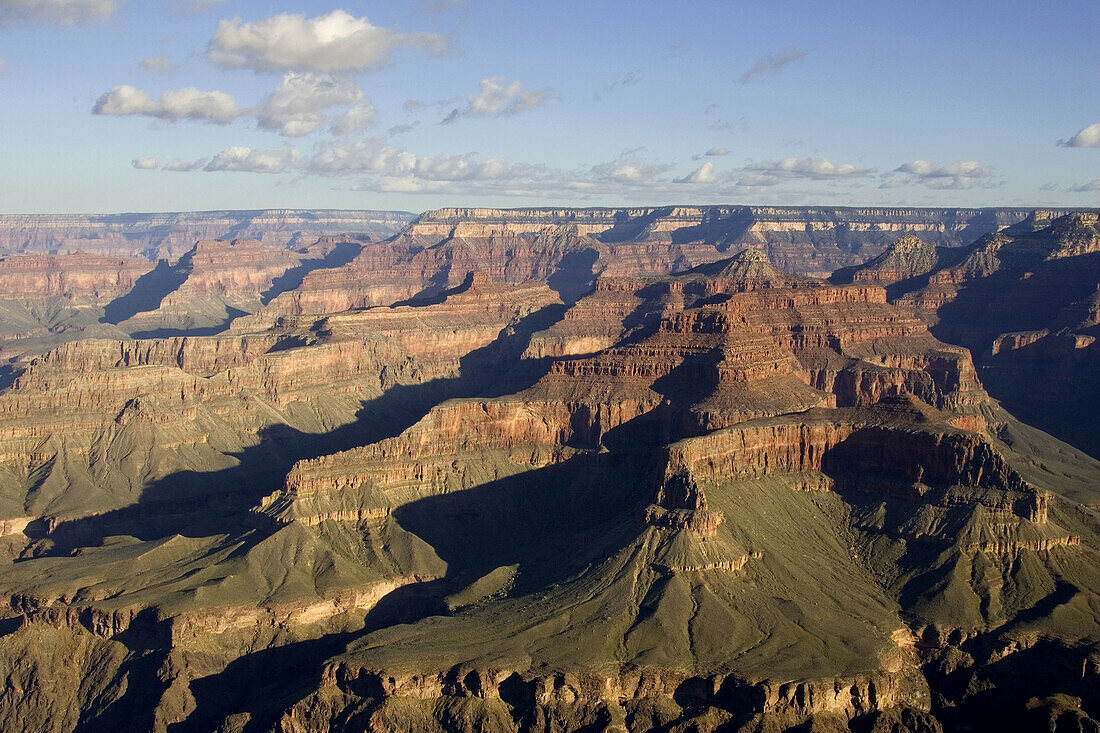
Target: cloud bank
<point x="495" y="98"/>
<point x="1087" y="137"/>
<point x="333" y="43"/>
<point x="173" y="105"/>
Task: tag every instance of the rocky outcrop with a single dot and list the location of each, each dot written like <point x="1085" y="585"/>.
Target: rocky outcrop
<point x="505" y="700"/>
<point x="1024" y="302"/>
<point x="80" y="277"/>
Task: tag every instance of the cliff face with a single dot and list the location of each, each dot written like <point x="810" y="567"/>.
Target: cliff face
<point x="798" y="239"/>
<point x="80" y="277"/>
<point x="568" y="247"/>
<point x="75" y="406"/>
<point x="1024" y="301"/>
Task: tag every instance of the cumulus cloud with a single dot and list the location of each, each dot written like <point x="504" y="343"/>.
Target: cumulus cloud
<point x="495" y="98"/>
<point x="702" y="174"/>
<point x="173" y="105"/>
<point x="770" y="64"/>
<point x="157" y="65"/>
<point x="249" y="160"/>
<point x="374" y="163"/>
<point x="297" y="106"/>
<point x="381" y="166"/>
<point x="183" y="166"/>
<point x="356" y="118"/>
<point x="375" y="155"/>
<point x="59" y="12"/>
<point x="144" y="164"/>
<point x="1086" y="137"/>
<point x="629" y="168"/>
<point x="333" y="43"/>
<point x="771" y="173"/>
<point x="958" y="175"/>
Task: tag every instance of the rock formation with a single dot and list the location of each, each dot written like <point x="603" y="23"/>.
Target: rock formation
<point x="419" y="491"/>
<point x="1025" y="302"/>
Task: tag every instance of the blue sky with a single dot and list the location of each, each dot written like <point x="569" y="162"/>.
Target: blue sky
<point x="121" y="105"/>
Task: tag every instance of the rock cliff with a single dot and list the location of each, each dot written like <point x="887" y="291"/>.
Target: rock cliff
<point x="1024" y="302"/>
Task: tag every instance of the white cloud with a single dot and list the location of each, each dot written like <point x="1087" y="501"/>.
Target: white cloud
<point x="375" y="164"/>
<point x="144" y="164"/>
<point x="495" y="98"/>
<point x="182" y="166"/>
<point x="958" y="175"/>
<point x="248" y="160"/>
<point x="629" y="168"/>
<point x="157" y="65"/>
<point x="772" y="63"/>
<point x="297" y="105"/>
<point x="60" y="12"/>
<point x="2" y="67"/>
<point x="374" y="155"/>
<point x="173" y="105"/>
<point x="702" y="174"/>
<point x="356" y="118"/>
<point x="771" y="173"/>
<point x="337" y="42"/>
<point x="1086" y="137"/>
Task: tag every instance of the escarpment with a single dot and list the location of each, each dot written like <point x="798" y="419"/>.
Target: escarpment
<point x="550" y="485"/>
<point x="83" y="408"/>
<point x="1023" y="301"/>
<point x="569" y="247"/>
<point x="79" y="277"/>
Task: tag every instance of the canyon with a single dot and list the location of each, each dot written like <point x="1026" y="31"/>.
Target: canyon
<point x="679" y="468"/>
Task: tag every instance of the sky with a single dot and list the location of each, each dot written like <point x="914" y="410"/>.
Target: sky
<point x="113" y="106"/>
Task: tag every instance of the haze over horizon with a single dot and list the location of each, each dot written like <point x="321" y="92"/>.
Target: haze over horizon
<point x="115" y="106"/>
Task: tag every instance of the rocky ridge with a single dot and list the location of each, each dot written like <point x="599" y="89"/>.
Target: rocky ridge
<point x="1024" y="302"/>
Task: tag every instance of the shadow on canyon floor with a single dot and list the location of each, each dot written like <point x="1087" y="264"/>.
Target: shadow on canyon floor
<point x="550" y="522"/>
<point x="340" y="255"/>
<point x="197" y="503"/>
<point x="148" y="292"/>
